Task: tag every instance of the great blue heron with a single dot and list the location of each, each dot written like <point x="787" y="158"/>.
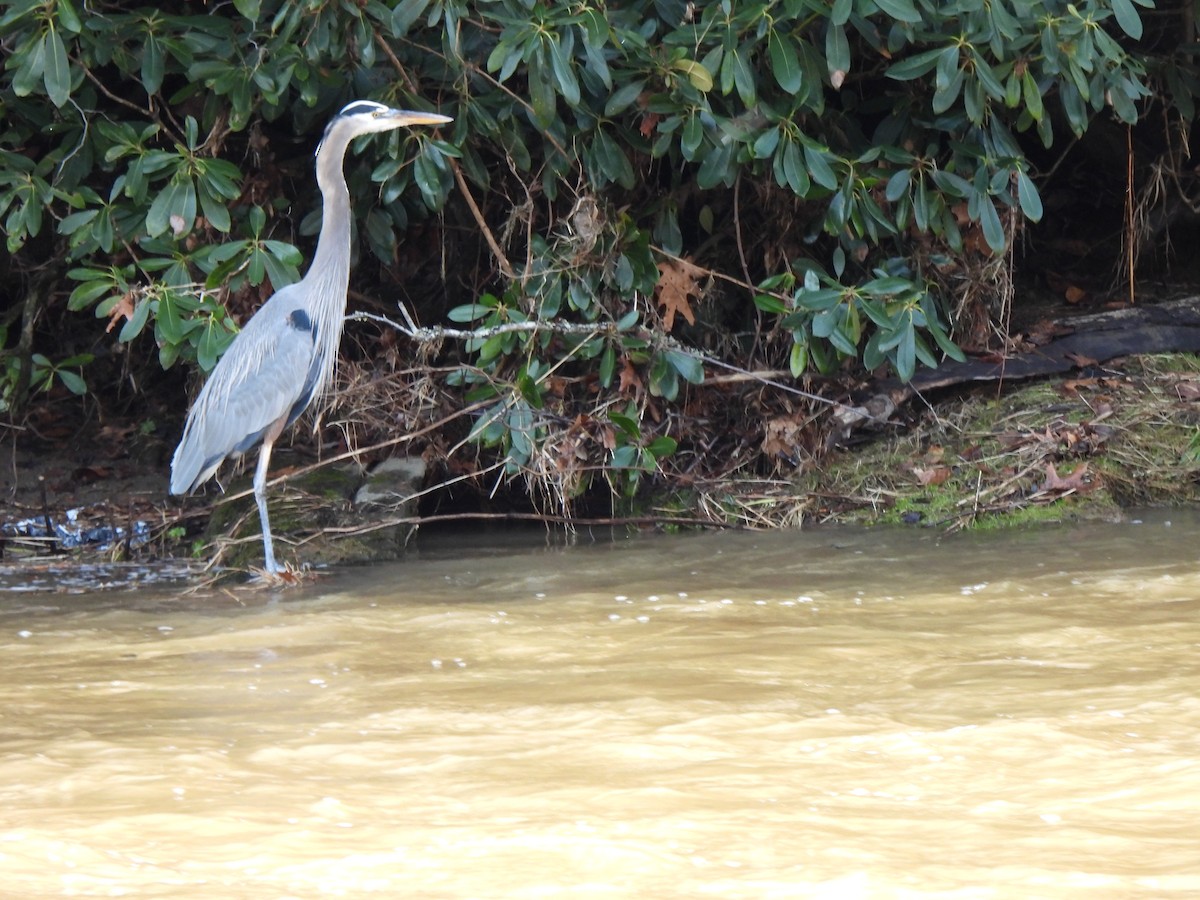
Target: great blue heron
<point x="286" y="353"/>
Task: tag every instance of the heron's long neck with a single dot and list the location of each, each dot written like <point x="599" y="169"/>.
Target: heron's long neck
<point x="328" y="277"/>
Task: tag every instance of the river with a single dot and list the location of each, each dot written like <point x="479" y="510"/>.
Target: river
<point x="829" y="713"/>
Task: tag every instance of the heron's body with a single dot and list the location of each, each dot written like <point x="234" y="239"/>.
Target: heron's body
<point x="286" y="353"/>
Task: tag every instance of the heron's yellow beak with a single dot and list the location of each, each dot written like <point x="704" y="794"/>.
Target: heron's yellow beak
<point x="414" y="117"/>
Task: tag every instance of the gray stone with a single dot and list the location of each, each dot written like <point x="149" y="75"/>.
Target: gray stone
<point x="391" y="485"/>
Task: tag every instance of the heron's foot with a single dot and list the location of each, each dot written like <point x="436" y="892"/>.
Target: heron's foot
<point x="286" y="575"/>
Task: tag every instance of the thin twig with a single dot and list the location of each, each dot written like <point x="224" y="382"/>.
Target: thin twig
<point x="430" y="334"/>
<point x="501" y="260"/>
<point x="120" y="101"/>
<point x="737" y="227"/>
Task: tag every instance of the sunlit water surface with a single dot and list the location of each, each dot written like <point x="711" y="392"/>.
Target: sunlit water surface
<point x="818" y="714"/>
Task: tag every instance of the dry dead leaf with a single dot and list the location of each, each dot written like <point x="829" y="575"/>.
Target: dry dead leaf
<point x="91" y="474"/>
<point x="123" y="310"/>
<point x="782" y="439"/>
<point x="1074" y="294"/>
<point x="1081" y="361"/>
<point x="628" y="380"/>
<point x="1188" y="390"/>
<point x="1079" y="481"/>
<point x="678" y="281"/>
<point x="1072" y="385"/>
<point x="934" y="475"/>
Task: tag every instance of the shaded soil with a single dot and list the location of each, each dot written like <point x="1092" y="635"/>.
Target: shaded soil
<point x="105" y="485"/>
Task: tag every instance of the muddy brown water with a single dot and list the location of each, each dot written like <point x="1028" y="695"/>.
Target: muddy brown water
<point x="819" y="714"/>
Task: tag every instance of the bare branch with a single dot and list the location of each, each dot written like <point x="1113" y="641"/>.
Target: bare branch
<point x="432" y="335"/>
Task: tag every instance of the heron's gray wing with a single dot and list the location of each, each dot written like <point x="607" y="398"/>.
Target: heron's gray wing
<point x="267" y="375"/>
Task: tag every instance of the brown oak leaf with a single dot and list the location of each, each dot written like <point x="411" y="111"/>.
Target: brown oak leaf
<point x="678" y="281"/>
<point x="1080" y="480"/>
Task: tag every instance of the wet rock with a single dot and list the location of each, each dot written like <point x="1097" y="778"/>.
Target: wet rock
<point x="336" y="514"/>
<point x="391" y="485"/>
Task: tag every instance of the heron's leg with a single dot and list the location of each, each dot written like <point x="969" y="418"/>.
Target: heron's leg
<point x="260" y="497"/>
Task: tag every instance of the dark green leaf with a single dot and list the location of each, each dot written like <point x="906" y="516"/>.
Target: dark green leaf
<point x="900" y="10"/>
<point x="279" y="271"/>
<point x="765" y="144"/>
<point x="993" y="231"/>
<point x="885" y="286"/>
<point x="214" y="338"/>
<point x="770" y="304"/>
<point x="785" y="64"/>
<point x="1032" y="95"/>
<point x="915" y="66"/>
<point x="167" y="321"/>
<point x="744" y="78"/>
<point x="152" y="65"/>
<point x="906" y="354"/>
<point x="608" y="365"/>
<point x="819" y="168"/>
<point x="504" y="58"/>
<point x="798" y="362"/>
<point x="613" y="161"/>
<point x="792" y="169"/>
<point x="73" y="382"/>
<point x="560" y="63"/>
<point x="468" y="313"/>
<point x="158" y="217"/>
<point x="429" y="179"/>
<point x="88" y="292"/>
<point x="624" y="97"/>
<point x="134" y="324"/>
<point x="30" y="69"/>
<point x="625" y="456"/>
<point x="57" y="74"/>
<point x="542" y="95"/>
<point x="715" y="168"/>
<point x="837" y="50"/>
<point x="68" y="18"/>
<point x="1128" y="18"/>
<point x="687" y="365"/>
<point x="691" y="136"/>
<point x="662" y="446"/>
<point x="249" y="8"/>
<point x="1027" y="194"/>
<point x="215" y="211"/>
<point x="897" y="185"/>
<point x="626" y="424"/>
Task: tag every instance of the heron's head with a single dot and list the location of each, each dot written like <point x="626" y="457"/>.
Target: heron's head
<point x="367" y="117"/>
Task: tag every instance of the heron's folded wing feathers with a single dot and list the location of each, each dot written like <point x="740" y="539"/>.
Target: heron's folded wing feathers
<point x="266" y="375"/>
